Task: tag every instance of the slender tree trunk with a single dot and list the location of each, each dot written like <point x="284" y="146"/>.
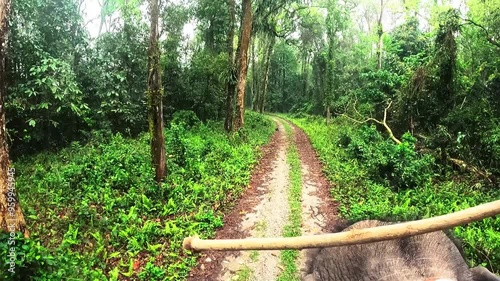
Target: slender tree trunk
<point x="11" y="215"/>
<point x="331" y="30"/>
<point x="328" y="115"/>
<point x="255" y="79"/>
<point x="329" y="79"/>
<point x="155" y="93"/>
<point x="284" y="96"/>
<point x="305" y="75"/>
<point x="209" y="36"/>
<point x="245" y="36"/>
<point x="100" y="26"/>
<point x="380" y="32"/>
<point x="231" y="84"/>
<point x="103" y="16"/>
<point x="269" y="53"/>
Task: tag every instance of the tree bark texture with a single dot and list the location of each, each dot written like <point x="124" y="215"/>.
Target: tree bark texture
<point x="269" y="52"/>
<point x="328" y="115"/>
<point x="329" y="79"/>
<point x="255" y="77"/>
<point x="305" y="75"/>
<point x="380" y="32"/>
<point x="11" y="215"/>
<point x="155" y="93"/>
<point x="231" y="84"/>
<point x="242" y="64"/>
<point x="331" y="31"/>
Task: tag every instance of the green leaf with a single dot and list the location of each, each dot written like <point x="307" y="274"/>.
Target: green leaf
<point x="44" y="105"/>
<point x="53" y="89"/>
<point x="115" y="254"/>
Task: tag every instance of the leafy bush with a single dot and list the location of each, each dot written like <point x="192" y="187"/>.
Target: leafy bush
<point x="95" y="210"/>
<point x="152" y="273"/>
<point x="29" y="257"/>
<point x="377" y="179"/>
<point x="185" y="118"/>
<point x="399" y="164"/>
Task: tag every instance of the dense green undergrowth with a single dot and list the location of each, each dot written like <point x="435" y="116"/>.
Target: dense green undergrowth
<point x="376" y="179"/>
<point x="95" y="213"/>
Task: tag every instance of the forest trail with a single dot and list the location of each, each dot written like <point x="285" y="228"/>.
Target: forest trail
<point x="263" y="211"/>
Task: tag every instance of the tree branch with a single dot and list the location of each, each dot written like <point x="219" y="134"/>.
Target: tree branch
<point x="383" y="122"/>
<point x="488" y="37"/>
<point x="470" y="168"/>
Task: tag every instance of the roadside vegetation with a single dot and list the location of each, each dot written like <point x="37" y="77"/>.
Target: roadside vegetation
<point x="375" y="178"/>
<point x="94" y="208"/>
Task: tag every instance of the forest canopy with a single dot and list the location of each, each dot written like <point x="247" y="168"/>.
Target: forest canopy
<point x="436" y="62"/>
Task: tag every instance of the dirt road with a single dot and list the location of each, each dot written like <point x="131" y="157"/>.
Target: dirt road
<point x="263" y="211"/>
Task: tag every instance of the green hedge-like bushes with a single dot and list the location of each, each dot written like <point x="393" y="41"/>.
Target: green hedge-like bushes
<point x="375" y="178"/>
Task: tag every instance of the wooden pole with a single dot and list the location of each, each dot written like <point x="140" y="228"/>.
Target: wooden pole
<point x="357" y="236"/>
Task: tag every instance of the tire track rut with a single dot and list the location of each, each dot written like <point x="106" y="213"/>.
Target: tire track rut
<point x="264" y="209"/>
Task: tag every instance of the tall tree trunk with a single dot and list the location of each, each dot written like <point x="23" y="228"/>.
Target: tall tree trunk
<point x="269" y="53"/>
<point x="305" y="76"/>
<point x="380" y="32"/>
<point x="245" y="36"/>
<point x="284" y="97"/>
<point x="11" y="215"/>
<point x="255" y="78"/>
<point x="329" y="79"/>
<point x="331" y="30"/>
<point x="231" y="84"/>
<point x="210" y="36"/>
<point x="103" y="16"/>
<point x="155" y="93"/>
<point x="328" y="115"/>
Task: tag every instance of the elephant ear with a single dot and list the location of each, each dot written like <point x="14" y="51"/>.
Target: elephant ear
<point x="480" y="273"/>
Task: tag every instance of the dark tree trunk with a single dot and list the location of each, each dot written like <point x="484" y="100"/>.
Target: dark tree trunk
<point x="305" y="75"/>
<point x="328" y="115"/>
<point x="283" y="91"/>
<point x="245" y="36"/>
<point x="380" y="32"/>
<point x="255" y="80"/>
<point x="329" y="79"/>
<point x="231" y="84"/>
<point x="209" y="36"/>
<point x="11" y="215"/>
<point x="267" y="62"/>
<point x="155" y="105"/>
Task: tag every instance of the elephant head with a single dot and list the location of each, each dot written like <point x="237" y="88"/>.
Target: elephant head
<point x="427" y="257"/>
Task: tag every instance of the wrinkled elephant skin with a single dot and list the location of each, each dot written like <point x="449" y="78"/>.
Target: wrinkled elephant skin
<point x="426" y="257"/>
